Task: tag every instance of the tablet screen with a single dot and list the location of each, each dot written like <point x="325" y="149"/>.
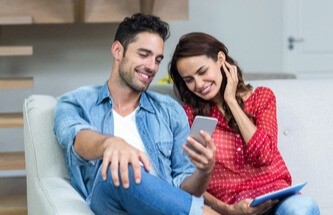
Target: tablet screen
<point x="279" y="194"/>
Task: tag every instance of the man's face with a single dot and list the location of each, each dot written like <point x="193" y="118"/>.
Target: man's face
<point x="141" y="61"/>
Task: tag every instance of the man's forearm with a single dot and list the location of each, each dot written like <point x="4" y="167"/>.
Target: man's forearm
<point x="90" y="144"/>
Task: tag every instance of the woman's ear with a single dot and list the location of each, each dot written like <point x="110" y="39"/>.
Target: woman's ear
<point x="117" y="50"/>
<point x="220" y="57"/>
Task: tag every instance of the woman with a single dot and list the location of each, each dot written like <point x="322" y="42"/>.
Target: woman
<point x="248" y="163"/>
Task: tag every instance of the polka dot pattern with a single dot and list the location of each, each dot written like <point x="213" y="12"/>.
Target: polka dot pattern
<point x="252" y="169"/>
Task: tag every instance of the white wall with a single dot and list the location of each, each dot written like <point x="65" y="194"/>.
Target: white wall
<point x="252" y="30"/>
<point x="68" y="56"/>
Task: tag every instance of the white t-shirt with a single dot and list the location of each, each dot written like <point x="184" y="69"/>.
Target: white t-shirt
<point x="125" y="128"/>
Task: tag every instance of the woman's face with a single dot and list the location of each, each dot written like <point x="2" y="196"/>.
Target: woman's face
<point x="202" y="76"/>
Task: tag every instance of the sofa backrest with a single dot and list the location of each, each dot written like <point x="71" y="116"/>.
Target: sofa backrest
<point x="304" y="120"/>
<point x="305" y="124"/>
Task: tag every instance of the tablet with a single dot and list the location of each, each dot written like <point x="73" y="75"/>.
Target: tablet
<point x="279" y="194"/>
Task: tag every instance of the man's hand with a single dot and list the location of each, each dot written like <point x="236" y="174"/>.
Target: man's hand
<point x="117" y="156"/>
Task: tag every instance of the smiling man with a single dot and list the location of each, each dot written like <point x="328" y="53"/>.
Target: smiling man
<point x="123" y="144"/>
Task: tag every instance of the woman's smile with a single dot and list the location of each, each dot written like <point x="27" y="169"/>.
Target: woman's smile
<point x="206" y="90"/>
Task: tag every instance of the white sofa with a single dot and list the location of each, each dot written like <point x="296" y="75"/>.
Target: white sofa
<point x="305" y="126"/>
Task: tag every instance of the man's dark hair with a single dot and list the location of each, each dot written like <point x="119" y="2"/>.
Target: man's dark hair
<point x="139" y="22"/>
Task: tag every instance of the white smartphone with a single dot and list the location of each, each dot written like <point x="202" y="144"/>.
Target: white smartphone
<point x="204" y="123"/>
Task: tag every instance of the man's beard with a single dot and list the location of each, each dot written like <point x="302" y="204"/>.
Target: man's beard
<point x="128" y="79"/>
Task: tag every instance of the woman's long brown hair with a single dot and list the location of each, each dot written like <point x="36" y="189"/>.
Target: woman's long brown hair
<point x="197" y="44"/>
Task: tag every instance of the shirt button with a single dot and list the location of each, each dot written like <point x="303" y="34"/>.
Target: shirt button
<point x="286" y="132"/>
<point x="237" y="135"/>
<point x="239" y="149"/>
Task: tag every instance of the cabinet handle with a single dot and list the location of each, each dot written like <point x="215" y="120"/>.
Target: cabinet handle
<point x="292" y="40"/>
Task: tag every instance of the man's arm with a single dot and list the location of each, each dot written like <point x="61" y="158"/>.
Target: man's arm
<point x="90" y="144"/>
<point x="116" y="154"/>
<point x="82" y="142"/>
<point x="241" y="207"/>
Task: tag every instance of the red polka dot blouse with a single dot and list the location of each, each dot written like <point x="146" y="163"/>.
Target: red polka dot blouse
<point x="247" y="170"/>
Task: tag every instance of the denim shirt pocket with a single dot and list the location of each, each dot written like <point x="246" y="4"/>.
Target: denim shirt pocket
<point x="165" y="148"/>
<point x="164" y="158"/>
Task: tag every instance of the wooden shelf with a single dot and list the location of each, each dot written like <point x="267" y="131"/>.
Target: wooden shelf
<point x="16" y="83"/>
<point x="101" y="11"/>
<point x="115" y="11"/>
<point x="171" y="9"/>
<point x="15" y="20"/>
<point x="15" y="50"/>
<point x="42" y="11"/>
<point x="146" y="6"/>
<point x="79" y="8"/>
<point x="8" y="120"/>
<point x="13" y="204"/>
<point x="12" y="161"/>
<point x="88" y="11"/>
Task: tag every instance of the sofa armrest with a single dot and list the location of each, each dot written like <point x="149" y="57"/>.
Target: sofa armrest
<point x="57" y="196"/>
<point x="48" y="188"/>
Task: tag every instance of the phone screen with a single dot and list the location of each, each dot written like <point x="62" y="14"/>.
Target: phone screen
<point x="204" y="123"/>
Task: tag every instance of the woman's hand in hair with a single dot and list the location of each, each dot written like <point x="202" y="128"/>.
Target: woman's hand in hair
<point x="232" y="81"/>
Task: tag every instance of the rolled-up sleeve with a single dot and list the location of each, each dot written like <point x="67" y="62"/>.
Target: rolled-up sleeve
<point x="68" y="122"/>
<point x="262" y="146"/>
<point x="181" y="165"/>
<point x="196" y="206"/>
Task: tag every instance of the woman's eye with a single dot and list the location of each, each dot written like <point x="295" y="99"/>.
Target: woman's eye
<point x="202" y="72"/>
<point x="188" y="80"/>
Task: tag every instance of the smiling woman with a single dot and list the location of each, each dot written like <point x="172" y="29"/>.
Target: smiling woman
<point x="248" y="162"/>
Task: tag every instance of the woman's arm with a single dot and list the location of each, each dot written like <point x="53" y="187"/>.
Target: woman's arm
<point x="261" y="138"/>
<point x="245" y="125"/>
<point x="241" y="207"/>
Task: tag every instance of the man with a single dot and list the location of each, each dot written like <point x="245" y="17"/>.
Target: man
<point x="123" y="144"/>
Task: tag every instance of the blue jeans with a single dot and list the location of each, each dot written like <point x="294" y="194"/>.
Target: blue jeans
<point x="297" y="205"/>
<point x="152" y="196"/>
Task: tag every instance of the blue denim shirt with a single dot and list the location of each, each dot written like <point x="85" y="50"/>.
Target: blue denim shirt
<point x="161" y="122"/>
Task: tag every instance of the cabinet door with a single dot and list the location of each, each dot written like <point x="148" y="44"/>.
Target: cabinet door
<point x="116" y="10"/>
<point x="41" y="11"/>
<point x="109" y="10"/>
<point x="93" y="11"/>
<point x="308" y="47"/>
